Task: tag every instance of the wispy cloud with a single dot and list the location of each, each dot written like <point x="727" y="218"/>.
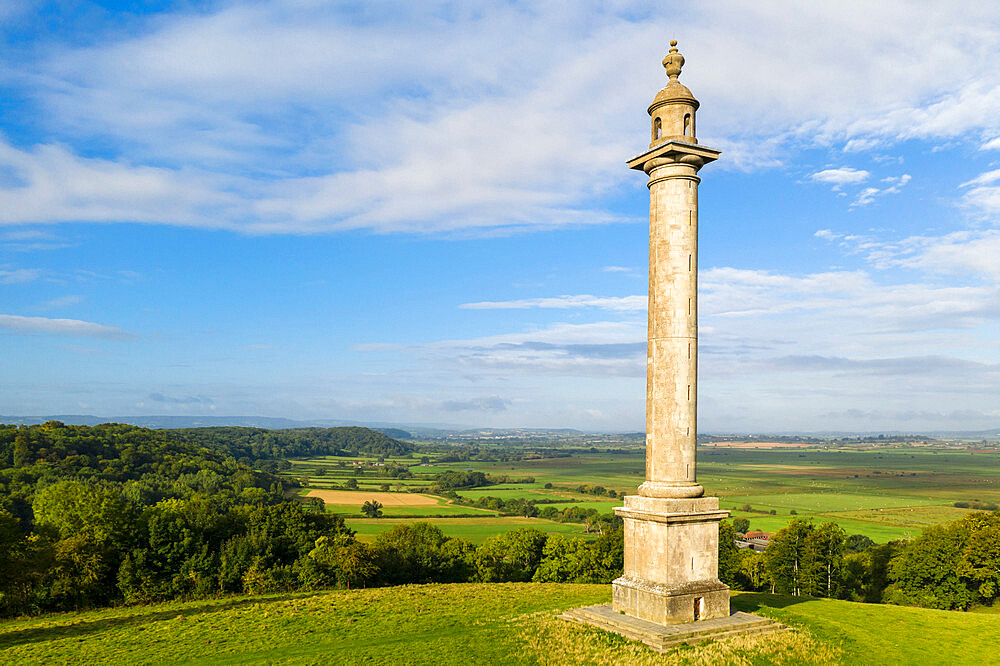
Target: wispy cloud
<point x="621" y="303"/>
<point x="465" y="136"/>
<point x="69" y="327"/>
<point x="840" y="177"/>
<point x="200" y="400"/>
<point x="570" y="350"/>
<point x="10" y="275"/>
<point x="59" y="302"/>
<point x="893" y="185"/>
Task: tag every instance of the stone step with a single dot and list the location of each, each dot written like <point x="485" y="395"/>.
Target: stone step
<point x="662" y="637"/>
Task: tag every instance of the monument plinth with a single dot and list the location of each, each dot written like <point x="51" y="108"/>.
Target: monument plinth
<point x="670" y="590"/>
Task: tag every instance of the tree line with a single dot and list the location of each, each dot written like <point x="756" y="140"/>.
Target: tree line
<point x="100" y="515"/>
<point x="252" y="444"/>
<point x="954" y="566"/>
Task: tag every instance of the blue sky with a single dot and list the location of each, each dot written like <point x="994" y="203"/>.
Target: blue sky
<point x="420" y="212"/>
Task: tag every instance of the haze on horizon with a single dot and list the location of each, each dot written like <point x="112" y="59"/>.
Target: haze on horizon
<point x="421" y="213"/>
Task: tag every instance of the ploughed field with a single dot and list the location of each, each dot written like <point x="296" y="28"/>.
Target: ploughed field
<point x="883" y="493"/>
<point x="466" y="624"/>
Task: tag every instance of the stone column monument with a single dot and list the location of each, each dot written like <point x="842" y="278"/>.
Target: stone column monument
<point x="671" y="531"/>
<point x="670" y="592"/>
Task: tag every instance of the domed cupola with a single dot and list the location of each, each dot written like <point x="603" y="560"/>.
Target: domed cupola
<point x="673" y="108"/>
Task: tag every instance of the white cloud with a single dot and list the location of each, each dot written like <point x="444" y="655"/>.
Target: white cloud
<point x="60" y="302"/>
<point x="868" y="194"/>
<point x="51" y="184"/>
<point x="10" y="275"/>
<point x="407" y="118"/>
<point x="70" y="327"/>
<point x="983" y="179"/>
<point x="621" y="303"/>
<point x="597" y="349"/>
<point x="992" y="144"/>
<point x="841" y="176"/>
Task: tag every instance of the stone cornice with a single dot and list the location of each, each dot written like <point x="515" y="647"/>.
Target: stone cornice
<point x="672" y="152"/>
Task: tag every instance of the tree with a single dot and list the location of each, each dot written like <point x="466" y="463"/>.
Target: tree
<point x="741" y="525"/>
<point x="858" y="543"/>
<point x="979" y="563"/>
<point x="338" y="560"/>
<point x="419" y="552"/>
<point x="729" y="554"/>
<point x="564" y="561"/>
<point x="92" y="527"/>
<point x="785" y="558"/>
<point x="825" y="546"/>
<point x="752" y="574"/>
<point x="510" y="557"/>
<point x="925" y="573"/>
<point x="372" y="509"/>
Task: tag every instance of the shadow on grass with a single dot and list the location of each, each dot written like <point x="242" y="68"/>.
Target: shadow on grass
<point x="79" y="629"/>
<point x="749" y="602"/>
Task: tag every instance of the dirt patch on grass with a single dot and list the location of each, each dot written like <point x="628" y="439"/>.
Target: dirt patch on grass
<point x="758" y="445"/>
<point x="362" y="496"/>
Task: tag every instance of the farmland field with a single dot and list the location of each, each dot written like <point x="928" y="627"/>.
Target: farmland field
<point x="351" y="498"/>
<point x="881" y="492"/>
<point x="476" y="530"/>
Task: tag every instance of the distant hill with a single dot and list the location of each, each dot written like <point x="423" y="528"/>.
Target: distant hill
<point x="169" y="421"/>
<point x="261" y="443"/>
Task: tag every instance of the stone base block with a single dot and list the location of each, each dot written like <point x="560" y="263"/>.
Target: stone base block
<point x="662" y="638"/>
<point x="662" y="604"/>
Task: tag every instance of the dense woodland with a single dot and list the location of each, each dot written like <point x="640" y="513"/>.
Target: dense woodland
<point x="252" y="444"/>
<point x="101" y="515"/>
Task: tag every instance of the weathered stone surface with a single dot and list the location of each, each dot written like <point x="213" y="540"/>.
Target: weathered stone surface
<point x="670" y="590"/>
<point x="662" y="638"/>
<point x="671" y="531"/>
<point x="671" y="560"/>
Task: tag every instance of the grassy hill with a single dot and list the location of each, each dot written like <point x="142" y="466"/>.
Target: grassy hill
<point x="473" y="624"/>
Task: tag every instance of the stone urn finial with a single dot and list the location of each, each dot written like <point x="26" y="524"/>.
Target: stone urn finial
<point x="674" y="61"/>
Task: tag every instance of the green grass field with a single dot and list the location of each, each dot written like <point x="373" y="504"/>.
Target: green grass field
<point x="476" y="530"/>
<point x="884" y="493"/>
<point x="478" y="624"/>
<point x="348" y="510"/>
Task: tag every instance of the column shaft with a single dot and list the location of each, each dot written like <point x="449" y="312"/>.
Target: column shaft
<point x="672" y="352"/>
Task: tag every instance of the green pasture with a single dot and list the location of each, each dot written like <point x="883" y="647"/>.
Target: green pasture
<point x="602" y="506"/>
<point x="516" y="492"/>
<point x="821" y="502"/>
<point x="881" y="493"/>
<point x="876" y="532"/>
<point x="478" y="624"/>
<point x="918" y="517"/>
<point x="476" y="530"/>
<point x="411" y="511"/>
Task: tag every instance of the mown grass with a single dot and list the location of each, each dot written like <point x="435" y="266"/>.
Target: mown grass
<point x="348" y="510"/>
<point x="476" y="530"/>
<point x="478" y="624"/>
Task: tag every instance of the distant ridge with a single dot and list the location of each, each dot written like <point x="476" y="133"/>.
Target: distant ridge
<point x="172" y="422"/>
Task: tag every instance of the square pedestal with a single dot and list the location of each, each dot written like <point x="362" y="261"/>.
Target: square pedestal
<point x="671" y="560"/>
